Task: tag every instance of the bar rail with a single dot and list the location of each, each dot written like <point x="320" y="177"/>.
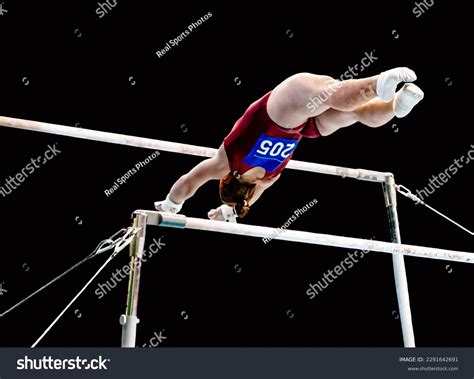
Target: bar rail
<point x="180" y="148"/>
<point x="183" y="222"/>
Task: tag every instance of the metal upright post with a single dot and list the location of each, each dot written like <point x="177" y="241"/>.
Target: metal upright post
<point x="401" y="282"/>
<point x="129" y="320"/>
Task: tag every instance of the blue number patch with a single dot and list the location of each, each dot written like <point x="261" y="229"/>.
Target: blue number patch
<point x="270" y="152"/>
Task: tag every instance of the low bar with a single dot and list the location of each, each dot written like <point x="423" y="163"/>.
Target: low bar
<point x="180" y="148"/>
<point x="183" y="222"/>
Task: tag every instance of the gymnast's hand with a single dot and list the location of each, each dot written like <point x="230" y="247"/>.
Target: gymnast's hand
<point x="215" y="214"/>
<point x="222" y="213"/>
<point x="168" y="205"/>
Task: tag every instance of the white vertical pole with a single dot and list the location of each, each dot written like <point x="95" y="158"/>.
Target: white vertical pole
<point x="129" y="320"/>
<point x="401" y="281"/>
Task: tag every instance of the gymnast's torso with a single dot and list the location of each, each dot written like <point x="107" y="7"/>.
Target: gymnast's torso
<point x="257" y="141"/>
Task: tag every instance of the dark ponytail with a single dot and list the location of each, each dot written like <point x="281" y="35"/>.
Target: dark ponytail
<point x="235" y="193"/>
<point x="242" y="208"/>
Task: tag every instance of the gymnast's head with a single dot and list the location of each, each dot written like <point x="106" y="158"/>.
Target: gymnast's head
<point x="236" y="193"/>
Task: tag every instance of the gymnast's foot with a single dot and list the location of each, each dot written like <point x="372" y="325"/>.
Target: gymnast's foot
<point x="388" y="81"/>
<point x="406" y="99"/>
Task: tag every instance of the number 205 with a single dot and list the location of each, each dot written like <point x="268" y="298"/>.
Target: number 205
<point x="278" y="149"/>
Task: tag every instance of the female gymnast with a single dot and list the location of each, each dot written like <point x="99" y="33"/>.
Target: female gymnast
<point x="263" y="140"/>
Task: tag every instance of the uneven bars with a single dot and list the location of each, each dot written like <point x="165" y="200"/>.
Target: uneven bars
<point x="183" y="222"/>
<point x="180" y="148"/>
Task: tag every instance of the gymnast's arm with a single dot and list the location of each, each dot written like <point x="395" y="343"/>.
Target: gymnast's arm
<point x="187" y="185"/>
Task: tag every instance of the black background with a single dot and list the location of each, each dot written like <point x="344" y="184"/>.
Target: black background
<point x="207" y="289"/>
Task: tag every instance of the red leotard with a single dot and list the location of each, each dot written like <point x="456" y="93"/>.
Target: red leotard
<point x="256" y="140"/>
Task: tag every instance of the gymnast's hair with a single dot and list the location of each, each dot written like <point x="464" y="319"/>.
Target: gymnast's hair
<point x="235" y="193"/>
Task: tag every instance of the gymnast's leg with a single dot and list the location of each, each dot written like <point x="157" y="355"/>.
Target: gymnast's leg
<point x="374" y="113"/>
<point x="305" y="95"/>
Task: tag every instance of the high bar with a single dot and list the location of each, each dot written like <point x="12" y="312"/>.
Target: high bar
<point x="180" y="148"/>
<point x="183" y="222"/>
